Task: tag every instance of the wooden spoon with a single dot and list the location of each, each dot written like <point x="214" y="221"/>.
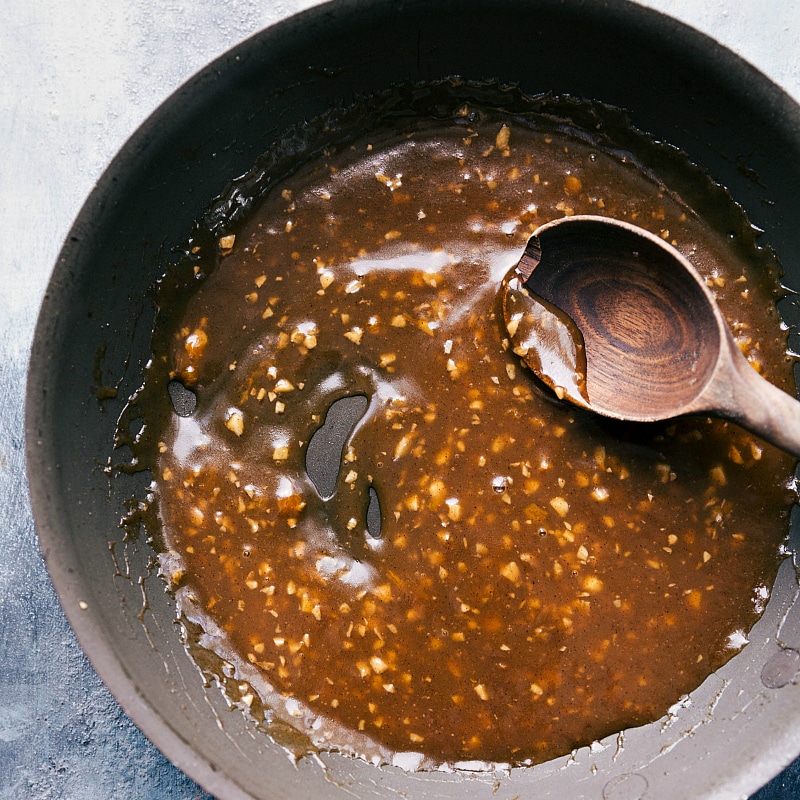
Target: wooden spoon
<point x="619" y="322"/>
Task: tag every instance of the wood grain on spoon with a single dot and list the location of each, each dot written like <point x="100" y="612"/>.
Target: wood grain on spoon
<point x="648" y="339"/>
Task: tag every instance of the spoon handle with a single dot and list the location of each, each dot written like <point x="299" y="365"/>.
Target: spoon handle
<point x="752" y="401"/>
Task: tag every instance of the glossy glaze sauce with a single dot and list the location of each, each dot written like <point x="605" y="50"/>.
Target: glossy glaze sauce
<point x="541" y="577"/>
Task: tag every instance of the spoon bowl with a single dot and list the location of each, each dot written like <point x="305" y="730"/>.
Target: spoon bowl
<point x="636" y="328"/>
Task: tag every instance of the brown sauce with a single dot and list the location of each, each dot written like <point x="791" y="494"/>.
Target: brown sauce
<point x="542" y="577"/>
<point x="547" y="340"/>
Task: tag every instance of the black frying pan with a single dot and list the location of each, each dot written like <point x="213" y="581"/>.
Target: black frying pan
<point x="740" y="727"/>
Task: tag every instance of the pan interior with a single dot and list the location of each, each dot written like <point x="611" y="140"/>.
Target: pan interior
<point x="407" y="302"/>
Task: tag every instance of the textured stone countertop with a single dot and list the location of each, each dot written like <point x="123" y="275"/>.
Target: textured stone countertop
<point x="76" y="79"/>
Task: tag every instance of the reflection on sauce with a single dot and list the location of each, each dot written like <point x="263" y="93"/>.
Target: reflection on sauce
<point x="547" y="339"/>
<point x="541" y="578"/>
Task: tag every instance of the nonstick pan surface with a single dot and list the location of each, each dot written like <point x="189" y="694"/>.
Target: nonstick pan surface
<point x="740" y="727"/>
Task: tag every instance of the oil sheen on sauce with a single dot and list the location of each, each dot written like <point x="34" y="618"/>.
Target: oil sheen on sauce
<point x="542" y="577"/>
<point x="546" y="339"/>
